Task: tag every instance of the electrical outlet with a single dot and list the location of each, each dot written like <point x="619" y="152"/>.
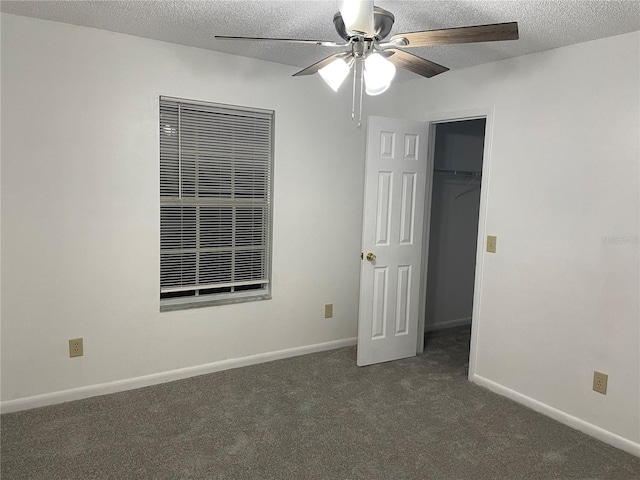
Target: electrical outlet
<point x="492" y="241"/>
<point x="75" y="347"/>
<point x="328" y="310"/>
<point x="600" y="382"/>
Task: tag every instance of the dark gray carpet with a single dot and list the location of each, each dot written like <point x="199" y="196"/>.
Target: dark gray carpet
<point x="312" y="417"/>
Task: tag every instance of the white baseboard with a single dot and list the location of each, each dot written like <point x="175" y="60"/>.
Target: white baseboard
<point x="560" y="416"/>
<point x="447" y="324"/>
<point x="163" y="377"/>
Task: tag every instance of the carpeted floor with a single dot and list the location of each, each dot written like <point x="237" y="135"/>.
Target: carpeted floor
<point x="312" y="417"/>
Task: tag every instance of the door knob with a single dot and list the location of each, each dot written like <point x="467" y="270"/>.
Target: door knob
<point x="371" y="257"/>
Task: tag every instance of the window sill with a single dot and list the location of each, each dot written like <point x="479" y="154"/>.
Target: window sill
<point x="172" y="307"/>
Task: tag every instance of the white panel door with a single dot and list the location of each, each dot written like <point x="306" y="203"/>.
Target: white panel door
<point x="396" y="167"/>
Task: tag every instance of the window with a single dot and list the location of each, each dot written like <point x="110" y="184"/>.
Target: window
<point x="215" y="203"/>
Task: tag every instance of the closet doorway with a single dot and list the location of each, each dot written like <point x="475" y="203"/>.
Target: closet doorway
<point x="457" y="149"/>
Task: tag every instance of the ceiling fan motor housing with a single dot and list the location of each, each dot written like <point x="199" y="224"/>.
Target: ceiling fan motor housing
<point x="382" y="24"/>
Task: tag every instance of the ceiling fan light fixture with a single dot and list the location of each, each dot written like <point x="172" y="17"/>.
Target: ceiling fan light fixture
<point x="335" y="73"/>
<point x="378" y="74"/>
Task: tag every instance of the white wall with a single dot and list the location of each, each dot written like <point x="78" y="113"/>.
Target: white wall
<point x="560" y="298"/>
<point x="80" y="208"/>
<point x="453" y="225"/>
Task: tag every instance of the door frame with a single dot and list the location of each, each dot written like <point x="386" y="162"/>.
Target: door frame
<point x="432" y="120"/>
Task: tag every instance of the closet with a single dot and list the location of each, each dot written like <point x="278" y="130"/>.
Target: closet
<point x="455" y="203"/>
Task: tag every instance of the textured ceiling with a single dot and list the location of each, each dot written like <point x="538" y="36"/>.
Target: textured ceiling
<point x="543" y="24"/>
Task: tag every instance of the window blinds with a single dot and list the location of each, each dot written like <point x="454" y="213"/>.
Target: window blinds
<point x="215" y="197"/>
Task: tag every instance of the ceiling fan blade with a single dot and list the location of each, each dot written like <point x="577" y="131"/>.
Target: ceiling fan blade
<point x="413" y="63"/>
<point x="282" y="40"/>
<point x="322" y="63"/>
<point x="357" y="16"/>
<point x="447" y="36"/>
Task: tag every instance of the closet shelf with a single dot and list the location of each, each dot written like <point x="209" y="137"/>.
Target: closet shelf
<point x="462" y="173"/>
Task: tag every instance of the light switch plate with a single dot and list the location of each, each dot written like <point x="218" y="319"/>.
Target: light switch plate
<point x="492" y="241"/>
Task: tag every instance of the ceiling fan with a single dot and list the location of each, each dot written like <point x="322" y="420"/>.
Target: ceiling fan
<point x="365" y="27"/>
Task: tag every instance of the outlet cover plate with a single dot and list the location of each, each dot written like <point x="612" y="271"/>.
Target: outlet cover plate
<point x="600" y="382"/>
<point x="328" y="310"/>
<point x="75" y="347"/>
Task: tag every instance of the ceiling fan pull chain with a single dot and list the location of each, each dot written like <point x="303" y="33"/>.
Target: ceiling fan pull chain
<point x="361" y="89"/>
<point x="353" y="101"/>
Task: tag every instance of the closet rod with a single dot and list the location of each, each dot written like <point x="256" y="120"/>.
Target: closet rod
<point x="465" y="173"/>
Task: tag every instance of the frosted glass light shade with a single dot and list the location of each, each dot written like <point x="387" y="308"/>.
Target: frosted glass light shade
<point x="378" y="73"/>
<point x="335" y="73"/>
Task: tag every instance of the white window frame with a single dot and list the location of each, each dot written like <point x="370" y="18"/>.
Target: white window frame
<point x="202" y="294"/>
